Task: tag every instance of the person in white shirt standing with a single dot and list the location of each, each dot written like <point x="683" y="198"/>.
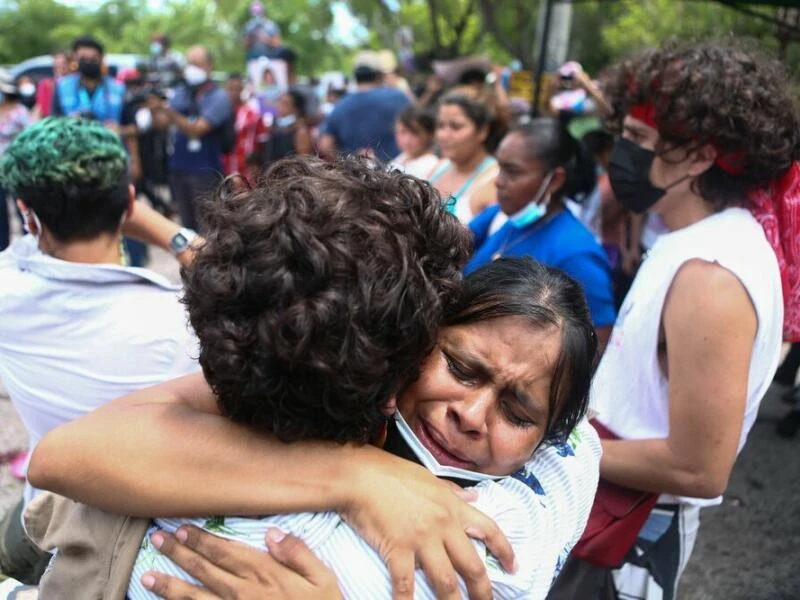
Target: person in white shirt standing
<point x="78" y="327"/>
<point x="414" y="130"/>
<point x="710" y="136"/>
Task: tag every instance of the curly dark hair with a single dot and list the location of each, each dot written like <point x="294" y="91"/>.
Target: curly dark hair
<point x="318" y="293"/>
<point x="715" y="93"/>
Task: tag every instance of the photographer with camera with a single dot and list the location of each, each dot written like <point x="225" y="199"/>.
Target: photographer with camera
<point x="201" y="114"/>
<point x="149" y="175"/>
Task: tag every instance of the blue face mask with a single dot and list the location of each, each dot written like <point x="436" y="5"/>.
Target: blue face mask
<point x="536" y="208"/>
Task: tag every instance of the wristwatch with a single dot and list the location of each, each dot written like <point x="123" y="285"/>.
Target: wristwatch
<point x="182" y="240"/>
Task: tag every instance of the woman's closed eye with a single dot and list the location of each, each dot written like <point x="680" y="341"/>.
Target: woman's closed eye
<point x="513" y="415"/>
<point x="460" y="371"/>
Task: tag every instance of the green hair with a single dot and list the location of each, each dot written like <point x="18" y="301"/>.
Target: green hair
<point x="60" y="151"/>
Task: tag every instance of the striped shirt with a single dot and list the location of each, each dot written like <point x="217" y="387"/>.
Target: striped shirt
<point x="542" y="509"/>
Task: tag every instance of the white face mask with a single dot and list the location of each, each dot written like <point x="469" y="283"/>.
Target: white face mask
<point x="429" y="461"/>
<point x="27" y="89"/>
<point x="194" y="75"/>
<point x="286" y="121"/>
<point x="144" y="119"/>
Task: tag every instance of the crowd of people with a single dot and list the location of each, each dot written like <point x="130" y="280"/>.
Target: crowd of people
<point x="396" y="312"/>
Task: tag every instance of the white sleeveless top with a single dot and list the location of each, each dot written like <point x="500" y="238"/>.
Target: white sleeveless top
<point x="629" y="391"/>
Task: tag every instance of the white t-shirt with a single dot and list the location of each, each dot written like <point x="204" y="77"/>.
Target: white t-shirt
<point x="542" y="510"/>
<point x="75" y="336"/>
<point x="629" y="390"/>
<point x="420" y="167"/>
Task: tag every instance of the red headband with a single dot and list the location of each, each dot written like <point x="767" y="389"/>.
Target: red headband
<point x="730" y="162"/>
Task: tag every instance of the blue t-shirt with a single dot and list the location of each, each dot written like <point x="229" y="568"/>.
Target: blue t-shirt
<point x="563" y="242"/>
<point x="203" y="155"/>
<point x="366" y="120"/>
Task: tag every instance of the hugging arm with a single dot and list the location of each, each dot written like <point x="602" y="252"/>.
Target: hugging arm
<point x="543" y="509"/>
<point x="153" y="452"/>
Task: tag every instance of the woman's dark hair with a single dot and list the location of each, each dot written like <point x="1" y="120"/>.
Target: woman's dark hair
<point x="548" y="141"/>
<point x="598" y="142"/>
<point x="299" y="101"/>
<point x="713" y="93"/>
<point x="319" y="292"/>
<point x="522" y="287"/>
<point x="480" y="110"/>
<point x="418" y="120"/>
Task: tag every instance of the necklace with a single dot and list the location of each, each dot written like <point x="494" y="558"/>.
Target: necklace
<point x="507" y="244"/>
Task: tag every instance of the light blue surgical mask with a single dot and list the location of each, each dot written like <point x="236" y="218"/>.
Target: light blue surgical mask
<point x="286" y="121"/>
<point x="536" y="208"/>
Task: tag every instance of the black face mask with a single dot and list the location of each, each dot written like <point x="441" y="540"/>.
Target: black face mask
<point x="89" y="68"/>
<point x="28" y="101"/>
<point x="629" y="174"/>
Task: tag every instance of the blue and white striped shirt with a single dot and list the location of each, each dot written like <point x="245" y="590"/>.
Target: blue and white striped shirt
<point x="542" y="509"/>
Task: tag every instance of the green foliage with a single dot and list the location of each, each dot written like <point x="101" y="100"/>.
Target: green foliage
<point x="602" y="31"/>
<point x="34" y="27"/>
<point x="512" y="23"/>
<point x="441" y="28"/>
<point x="20" y="41"/>
<point x="645" y="23"/>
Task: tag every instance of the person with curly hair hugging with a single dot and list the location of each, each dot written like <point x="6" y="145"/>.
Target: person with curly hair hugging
<point x="318" y="299"/>
<point x="710" y="140"/>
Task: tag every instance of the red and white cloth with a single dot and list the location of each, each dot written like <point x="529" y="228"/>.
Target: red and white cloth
<point x="250" y="131"/>
<point x="777" y="209"/>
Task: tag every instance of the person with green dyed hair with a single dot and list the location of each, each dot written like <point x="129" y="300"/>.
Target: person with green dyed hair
<point x="76" y="321"/>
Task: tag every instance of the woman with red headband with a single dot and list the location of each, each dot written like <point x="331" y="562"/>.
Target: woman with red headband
<point x="710" y="136"/>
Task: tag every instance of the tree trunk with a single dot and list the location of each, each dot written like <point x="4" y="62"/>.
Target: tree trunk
<point x="433" y="9"/>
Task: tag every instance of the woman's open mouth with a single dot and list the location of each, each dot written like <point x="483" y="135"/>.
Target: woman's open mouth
<point x="429" y="438"/>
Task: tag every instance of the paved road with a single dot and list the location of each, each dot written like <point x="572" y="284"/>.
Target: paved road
<point x="748" y="548"/>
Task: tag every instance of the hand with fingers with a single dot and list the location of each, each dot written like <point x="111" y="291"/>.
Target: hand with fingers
<point x="231" y="570"/>
<point x="412" y="519"/>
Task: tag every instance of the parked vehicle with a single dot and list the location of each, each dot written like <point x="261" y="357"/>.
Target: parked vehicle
<point x="41" y="67"/>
